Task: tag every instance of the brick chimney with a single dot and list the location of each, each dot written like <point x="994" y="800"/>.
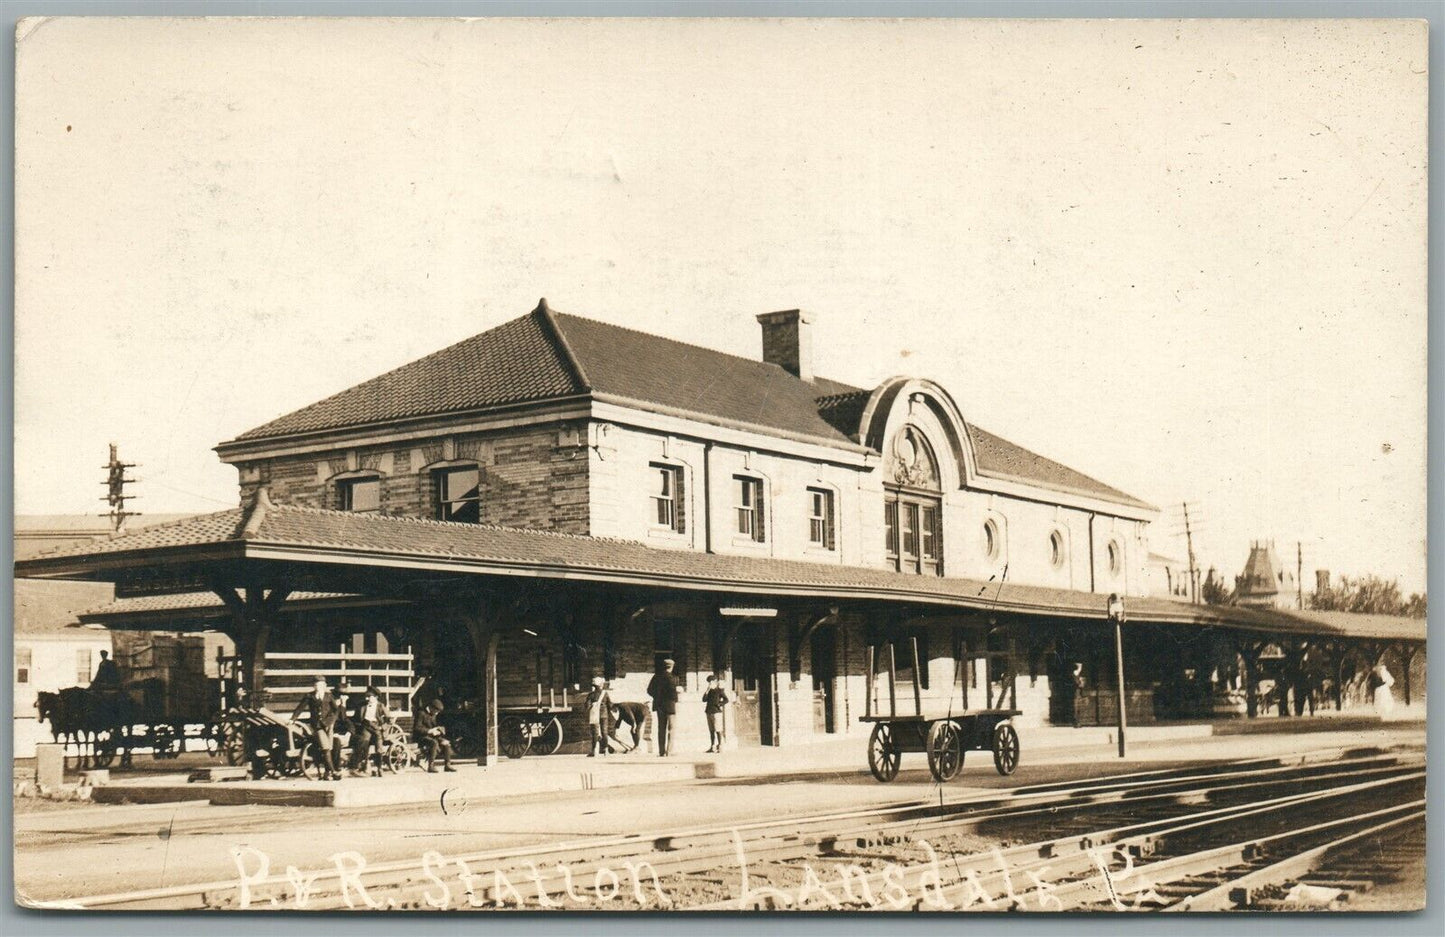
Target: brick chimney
<point x="788" y="342"/>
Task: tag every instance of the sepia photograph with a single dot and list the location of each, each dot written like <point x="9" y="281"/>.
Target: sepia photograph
<point x="772" y="466"/>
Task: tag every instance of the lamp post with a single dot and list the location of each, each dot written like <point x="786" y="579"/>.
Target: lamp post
<point x="1116" y="615"/>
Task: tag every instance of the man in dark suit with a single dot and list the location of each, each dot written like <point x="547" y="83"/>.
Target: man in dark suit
<point x="322" y="710"/>
<point x="663" y="690"/>
<point x="431" y="737"/>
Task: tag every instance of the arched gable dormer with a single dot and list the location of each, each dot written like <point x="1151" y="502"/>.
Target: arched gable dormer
<point x="910" y="401"/>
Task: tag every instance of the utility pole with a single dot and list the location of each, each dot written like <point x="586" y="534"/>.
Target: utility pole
<point x="115" y="483"/>
<point x="1193" y="571"/>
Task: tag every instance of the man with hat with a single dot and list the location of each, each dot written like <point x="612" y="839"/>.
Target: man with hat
<point x="431" y="737"/>
<point x="663" y="690"/>
<point x="321" y="710"/>
<point x="371" y="715"/>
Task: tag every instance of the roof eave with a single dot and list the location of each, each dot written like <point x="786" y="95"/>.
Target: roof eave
<point x="240" y="446"/>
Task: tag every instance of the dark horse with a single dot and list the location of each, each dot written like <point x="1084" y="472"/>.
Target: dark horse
<point x="91" y="721"/>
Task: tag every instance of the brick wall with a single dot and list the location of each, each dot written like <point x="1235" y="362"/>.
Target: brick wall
<point x="533" y="477"/>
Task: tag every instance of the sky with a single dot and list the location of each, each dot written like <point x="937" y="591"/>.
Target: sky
<point x="1187" y="258"/>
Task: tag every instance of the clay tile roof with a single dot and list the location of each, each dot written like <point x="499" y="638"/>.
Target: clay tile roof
<point x="410" y="542"/>
<point x="191" y="601"/>
<point x="549" y="355"/>
<point x="196" y="530"/>
<point x="515" y="362"/>
<point x="1002" y="459"/>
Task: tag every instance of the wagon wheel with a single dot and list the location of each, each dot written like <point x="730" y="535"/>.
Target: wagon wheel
<point x="392" y="734"/>
<point x="165" y="743"/>
<point x="512" y="737"/>
<point x="945" y="750"/>
<point x="464" y="747"/>
<point x="397" y="758"/>
<point x="103" y="751"/>
<point x="233" y="744"/>
<point x="276" y="764"/>
<point x="1005" y="748"/>
<point x="883" y="754"/>
<point x="550" y="738"/>
<point x="307" y="761"/>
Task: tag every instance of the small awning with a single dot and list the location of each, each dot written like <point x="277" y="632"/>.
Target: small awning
<point x="181" y="557"/>
<point x="188" y="610"/>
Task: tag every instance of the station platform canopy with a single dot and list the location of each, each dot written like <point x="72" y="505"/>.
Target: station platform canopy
<point x="335" y="556"/>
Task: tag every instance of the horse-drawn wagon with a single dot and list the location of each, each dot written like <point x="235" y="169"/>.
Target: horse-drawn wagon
<point x="945" y="737"/>
<point x="102" y="721"/>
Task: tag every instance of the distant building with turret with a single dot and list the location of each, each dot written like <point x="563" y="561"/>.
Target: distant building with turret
<point x="1266" y="582"/>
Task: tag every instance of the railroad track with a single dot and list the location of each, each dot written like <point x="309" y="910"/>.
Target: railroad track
<point x="1146" y="840"/>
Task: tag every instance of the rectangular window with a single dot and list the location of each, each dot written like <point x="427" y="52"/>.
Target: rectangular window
<point x="459" y="495"/>
<point x="820" y="518"/>
<point x="82" y="667"/>
<point x="748" y="503"/>
<point x="930" y="533"/>
<point x="666" y="494"/>
<point x="361" y="495"/>
<point x="910" y="530"/>
<point x="23" y="664"/>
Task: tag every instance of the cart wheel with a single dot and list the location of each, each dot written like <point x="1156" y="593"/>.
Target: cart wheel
<point x="1005" y="748"/>
<point x="397" y="758"/>
<point x="103" y="752"/>
<point x="233" y="745"/>
<point x="945" y="750"/>
<point x="550" y="738"/>
<point x="309" y="763"/>
<point x="512" y="737"/>
<point x="392" y="734"/>
<point x="464" y="747"/>
<point x="883" y="754"/>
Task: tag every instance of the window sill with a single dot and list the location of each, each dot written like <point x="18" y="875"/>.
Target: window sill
<point x="667" y="533"/>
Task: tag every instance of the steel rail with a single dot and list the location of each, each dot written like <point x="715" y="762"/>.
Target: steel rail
<point x="1068" y="856"/>
<point x="1222" y="896"/>
<point x="788" y="833"/>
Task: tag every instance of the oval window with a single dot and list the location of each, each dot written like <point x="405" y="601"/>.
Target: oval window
<point x="1056" y="548"/>
<point x="1116" y="558"/>
<point x="990" y="539"/>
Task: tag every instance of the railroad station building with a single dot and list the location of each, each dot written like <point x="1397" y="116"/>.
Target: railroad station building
<point x="558" y="498"/>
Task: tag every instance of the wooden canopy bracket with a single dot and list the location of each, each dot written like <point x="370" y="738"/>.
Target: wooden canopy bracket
<point x="800" y="640"/>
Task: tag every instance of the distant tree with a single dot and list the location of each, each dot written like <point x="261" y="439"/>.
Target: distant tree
<point x="1213" y="591"/>
<point x="1369" y="595"/>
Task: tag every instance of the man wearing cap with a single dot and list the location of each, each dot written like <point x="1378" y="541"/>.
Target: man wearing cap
<point x="321" y="710"/>
<point x="663" y="690"/>
<point x="431" y="737"/>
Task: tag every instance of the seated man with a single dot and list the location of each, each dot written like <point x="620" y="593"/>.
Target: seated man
<point x="107" y="674"/>
<point x="431" y="737"/>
